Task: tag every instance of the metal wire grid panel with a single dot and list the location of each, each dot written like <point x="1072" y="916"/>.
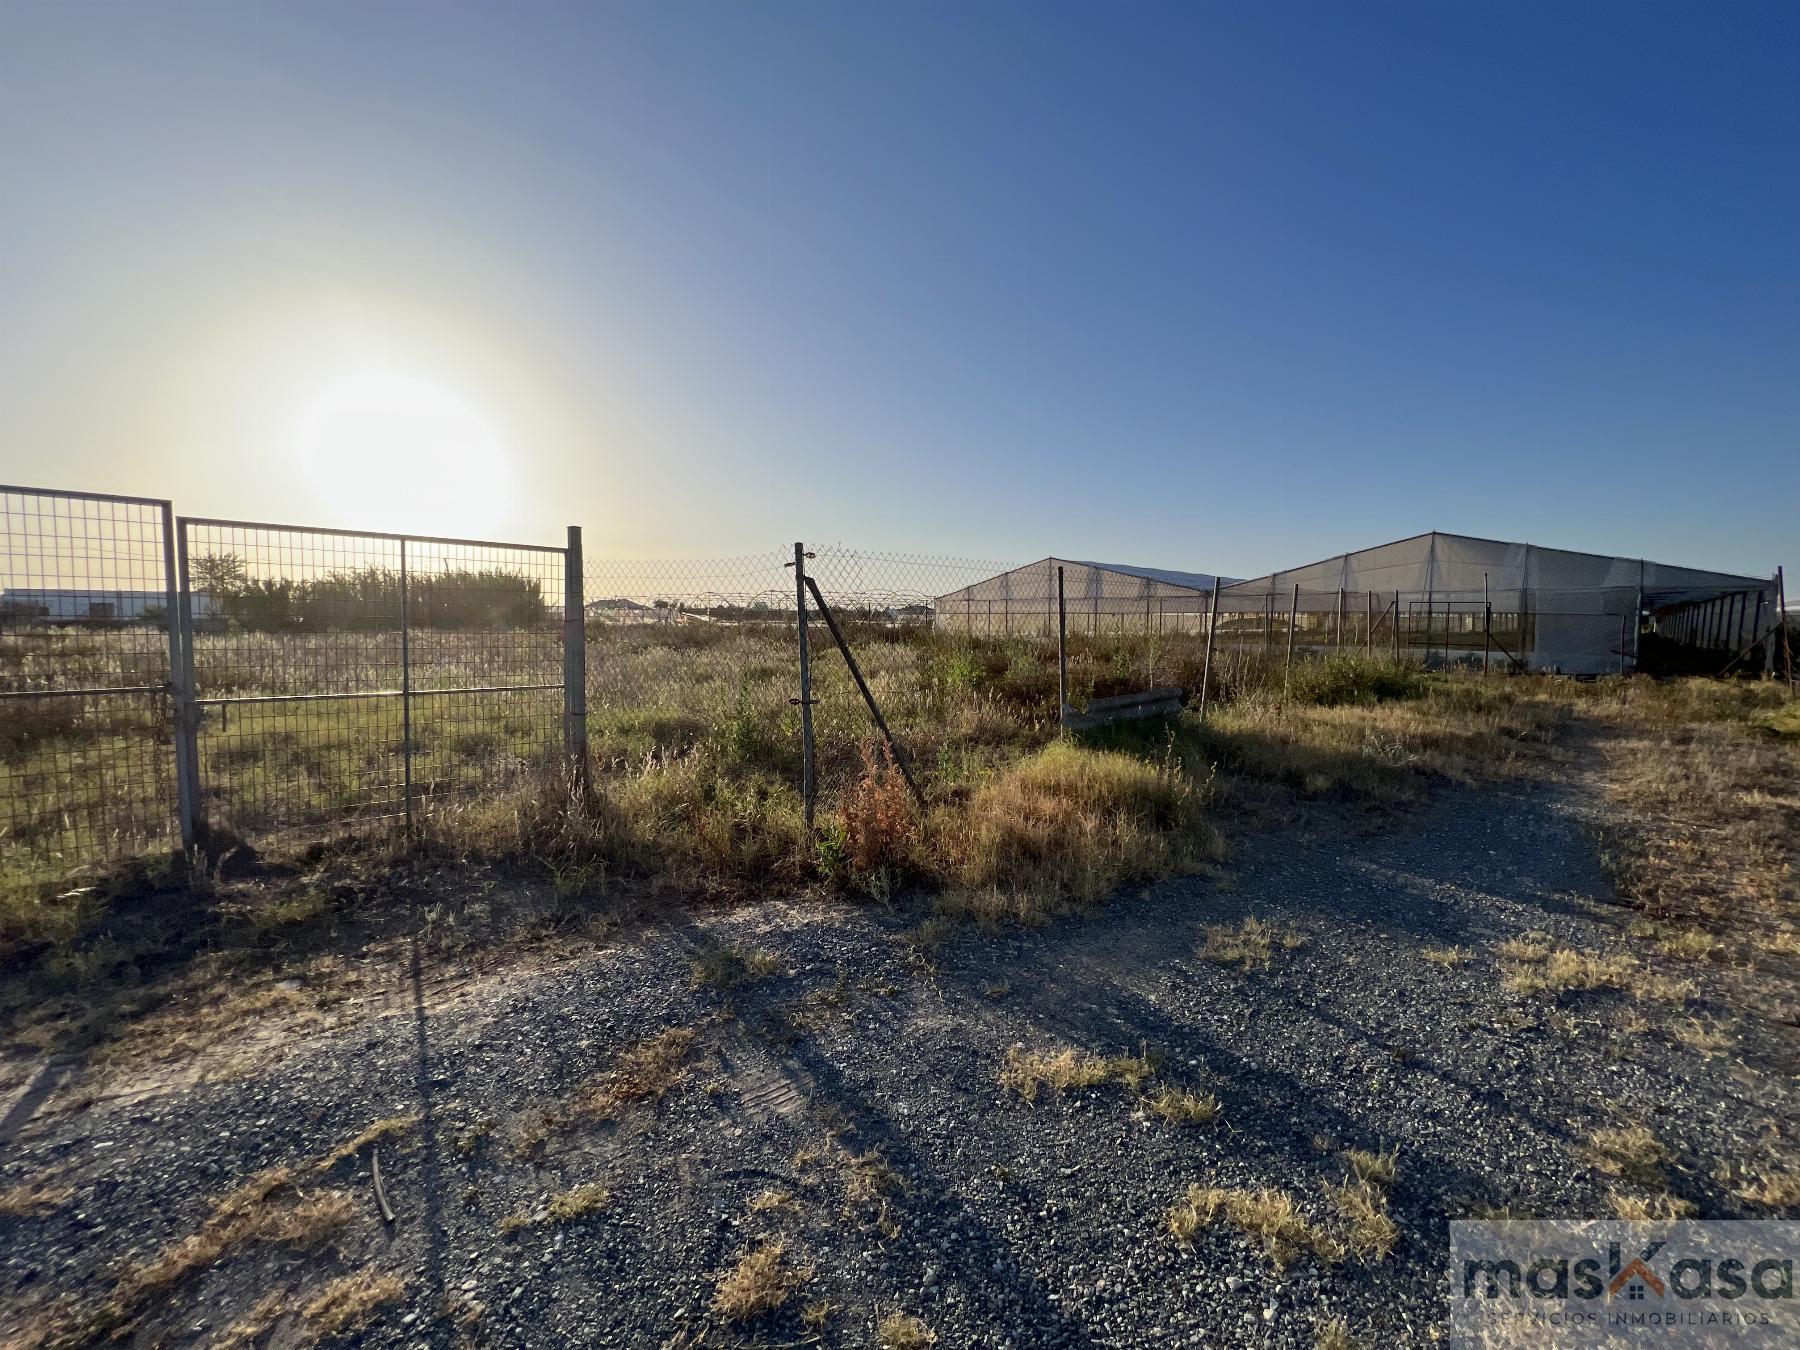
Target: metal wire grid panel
<point x="698" y="656"/>
<point x="86" y="601"/>
<point x="344" y="676"/>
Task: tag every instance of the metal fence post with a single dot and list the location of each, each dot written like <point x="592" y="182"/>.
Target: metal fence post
<point x="805" y="700"/>
<point x="406" y="745"/>
<point x="1487" y="624"/>
<point x="574" y="661"/>
<point x="185" y="712"/>
<point x="1396" y="627"/>
<point x="1062" y="654"/>
<point x="1369" y="625"/>
<point x="1212" y="627"/>
<point x="1293" y="616"/>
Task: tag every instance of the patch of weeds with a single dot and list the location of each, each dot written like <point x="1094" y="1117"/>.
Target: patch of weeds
<point x="1688" y="944"/>
<point x="1376" y="1168"/>
<point x="267" y="1209"/>
<point x="1709" y="1038"/>
<point x="925" y="938"/>
<point x="350" y="1303"/>
<point x="381" y="1129"/>
<point x="577" y="1203"/>
<point x="725" y="968"/>
<point x="770" y="1200"/>
<point x="1534" y="946"/>
<point x="996" y="991"/>
<point x="1250" y="945"/>
<point x="1364" y="1207"/>
<point x="1642" y="1208"/>
<point x="903" y="1331"/>
<point x="761" y="1281"/>
<point x="1182" y="1106"/>
<point x="642" y="1073"/>
<point x="1629" y="1151"/>
<point x="1267" y="1214"/>
<point x="1334" y="1335"/>
<point x="29" y="1199"/>
<point x="817" y="1314"/>
<point x="1553" y="971"/>
<point x="1778" y="1189"/>
<point x="1025" y="1072"/>
<point x="1448" y="957"/>
<point x="291" y="911"/>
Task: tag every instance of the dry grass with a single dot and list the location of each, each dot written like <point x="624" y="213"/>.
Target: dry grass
<point x="1250" y="945"/>
<point x="1334" y="1335"/>
<point x="642" y="1073"/>
<point x="1182" y="1106"/>
<point x="1643" y="1208"/>
<point x="381" y="1129"/>
<point x="1267" y="1214"/>
<point x="350" y="1303"/>
<point x="269" y="1208"/>
<point x="578" y="1202"/>
<point x="761" y="1281"/>
<point x="1543" y="971"/>
<point x="771" y="1200"/>
<point x="1629" y="1151"/>
<point x="1448" y="957"/>
<point x="28" y="1199"/>
<point x="1689" y="944"/>
<point x="1374" y="1167"/>
<point x="1709" y="1038"/>
<point x="1712" y="798"/>
<point x="1067" y="826"/>
<point x="726" y="968"/>
<point x="1363" y="1206"/>
<point x="1778" y="1189"/>
<point x="1025" y="1072"/>
<point x="903" y="1331"/>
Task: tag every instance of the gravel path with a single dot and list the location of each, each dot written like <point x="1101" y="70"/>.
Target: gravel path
<point x="1000" y="1222"/>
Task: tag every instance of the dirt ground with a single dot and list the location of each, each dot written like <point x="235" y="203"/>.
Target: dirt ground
<point x="567" y="1164"/>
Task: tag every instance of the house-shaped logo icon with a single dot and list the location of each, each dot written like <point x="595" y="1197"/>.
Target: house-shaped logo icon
<point x="1634" y="1279"/>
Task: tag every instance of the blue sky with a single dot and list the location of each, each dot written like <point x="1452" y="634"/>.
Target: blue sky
<point x="1204" y="286"/>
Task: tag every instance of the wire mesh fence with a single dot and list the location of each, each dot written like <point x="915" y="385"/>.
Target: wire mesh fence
<point x="85" y="651"/>
<point x="160" y="678"/>
<point x="340" y="676"/>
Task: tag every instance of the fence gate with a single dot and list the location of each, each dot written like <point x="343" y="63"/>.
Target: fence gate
<point x="339" y="675"/>
<point x="87" y="646"/>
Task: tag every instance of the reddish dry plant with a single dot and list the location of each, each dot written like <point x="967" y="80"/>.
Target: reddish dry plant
<point x="880" y="829"/>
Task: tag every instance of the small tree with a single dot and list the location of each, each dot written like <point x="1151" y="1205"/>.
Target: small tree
<point x="220" y="574"/>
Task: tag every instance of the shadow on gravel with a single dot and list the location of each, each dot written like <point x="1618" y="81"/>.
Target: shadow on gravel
<point x="1000" y="1296"/>
<point x="431" y="1172"/>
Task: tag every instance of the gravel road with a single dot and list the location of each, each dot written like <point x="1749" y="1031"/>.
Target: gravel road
<point x="858" y="1080"/>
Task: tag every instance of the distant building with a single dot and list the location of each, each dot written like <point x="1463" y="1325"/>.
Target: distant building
<point x="70" y="605"/>
<point x="1097" y="597"/>
<point x="1553" y="609"/>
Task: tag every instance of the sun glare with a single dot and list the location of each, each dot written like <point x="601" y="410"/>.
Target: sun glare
<point x="389" y="448"/>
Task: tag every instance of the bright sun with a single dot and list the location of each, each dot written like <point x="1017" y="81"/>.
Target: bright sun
<point x="395" y="453"/>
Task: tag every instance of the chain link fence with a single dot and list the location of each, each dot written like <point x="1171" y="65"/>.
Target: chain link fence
<point x="163" y="678"/>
